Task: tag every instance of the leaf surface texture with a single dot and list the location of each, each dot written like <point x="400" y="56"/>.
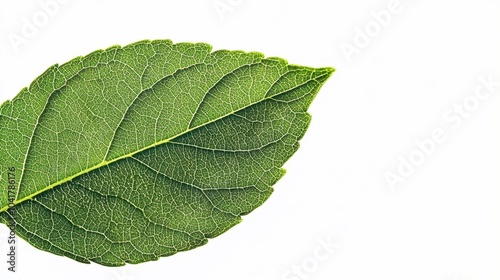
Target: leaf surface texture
<point x="133" y="153"/>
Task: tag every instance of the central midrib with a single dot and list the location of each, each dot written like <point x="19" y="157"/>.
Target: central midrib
<point x="108" y="162"/>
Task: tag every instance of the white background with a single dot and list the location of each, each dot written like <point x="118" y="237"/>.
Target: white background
<point x="441" y="223"/>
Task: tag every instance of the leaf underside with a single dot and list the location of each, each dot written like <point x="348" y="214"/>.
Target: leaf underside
<point x="133" y="153"/>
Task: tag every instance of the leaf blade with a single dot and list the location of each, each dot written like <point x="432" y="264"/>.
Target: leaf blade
<point x="267" y="96"/>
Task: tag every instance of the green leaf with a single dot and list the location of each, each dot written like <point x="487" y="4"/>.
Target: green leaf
<point x="130" y="154"/>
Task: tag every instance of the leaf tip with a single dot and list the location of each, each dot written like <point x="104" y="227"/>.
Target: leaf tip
<point x="329" y="70"/>
<point x="323" y="74"/>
